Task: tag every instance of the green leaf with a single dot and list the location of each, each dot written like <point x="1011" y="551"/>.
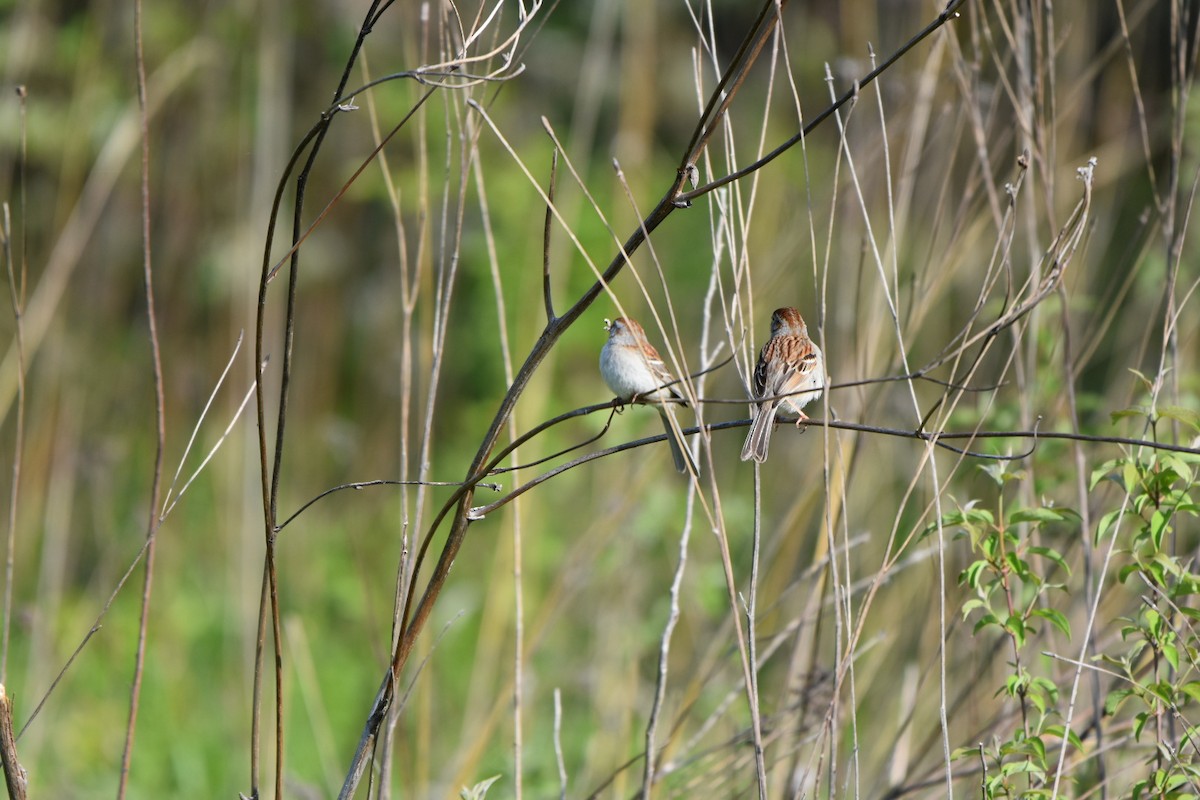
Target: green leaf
<point x="1016" y="626"/>
<point x="1139" y="722"/>
<point x="1180" y="414"/>
<point x="1179" y="466"/>
<point x="1106" y="522"/>
<point x="1035" y="515"/>
<point x="478" y="791"/>
<point x="1131" y="477"/>
<point x="1157" y="571"/>
<point x="964" y="752"/>
<point x="1154" y="621"/>
<point x="1183" y="503"/>
<point x="1174" y="781"/>
<point x="1039" y="749"/>
<point x="1017" y="565"/>
<point x="1056" y="618"/>
<point x="1163" y="691"/>
<point x="1019" y="768"/>
<point x="1140" y="502"/>
<point x="1125" y="571"/>
<point x="1132" y="411"/>
<point x="1147" y="384"/>
<point x="1171" y="654"/>
<point x="1190" y="735"/>
<point x="1192" y="690"/>
<point x="989" y="546"/>
<point x="1046" y="685"/>
<point x="1114" y="700"/>
<point x="1119" y="663"/>
<point x="1159" y="525"/>
<point x="1170" y="565"/>
<point x="1162" y="477"/>
<point x="971" y="605"/>
<point x="971" y="575"/>
<point x="980" y="516"/>
<point x="1072" y="737"/>
<point x="994" y="470"/>
<point x="1103" y="471"/>
<point x="1053" y="555"/>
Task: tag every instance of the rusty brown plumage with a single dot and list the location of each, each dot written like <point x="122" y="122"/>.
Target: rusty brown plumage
<point x="789" y="375"/>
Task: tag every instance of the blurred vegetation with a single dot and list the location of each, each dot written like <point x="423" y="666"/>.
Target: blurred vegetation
<point x="235" y="87"/>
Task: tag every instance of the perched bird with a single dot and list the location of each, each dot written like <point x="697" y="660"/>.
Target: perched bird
<point x="633" y="369"/>
<point x="789" y="363"/>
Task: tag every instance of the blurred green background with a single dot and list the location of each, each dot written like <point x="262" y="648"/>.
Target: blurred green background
<point x="234" y="87"/>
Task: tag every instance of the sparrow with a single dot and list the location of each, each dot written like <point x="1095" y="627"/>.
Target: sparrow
<point x="633" y="369"/>
<point x="790" y="364"/>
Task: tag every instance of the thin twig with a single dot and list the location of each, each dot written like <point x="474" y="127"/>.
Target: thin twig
<point x="95" y="627"/>
<point x="495" y="487"/>
<point x="211" y="452"/>
<point x="152" y="522"/>
<point x="751" y="608"/>
<point x="15" y="777"/>
<point x="547" y="294"/>
<point x="204" y="413"/>
<point x="16" y="289"/>
<point x="558" y="752"/>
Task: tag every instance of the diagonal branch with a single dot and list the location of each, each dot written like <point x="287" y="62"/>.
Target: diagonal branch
<point x="949" y="13"/>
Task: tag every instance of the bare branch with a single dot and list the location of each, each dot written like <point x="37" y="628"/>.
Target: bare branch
<point x="15" y="776"/>
<point x="160" y="429"/>
<point x="547" y="294"/>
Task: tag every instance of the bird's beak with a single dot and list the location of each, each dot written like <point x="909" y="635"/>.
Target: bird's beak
<point x="607" y="324"/>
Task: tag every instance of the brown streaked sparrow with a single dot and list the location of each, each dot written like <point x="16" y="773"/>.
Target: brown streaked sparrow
<point x="789" y="363"/>
<point x="633" y="369"/>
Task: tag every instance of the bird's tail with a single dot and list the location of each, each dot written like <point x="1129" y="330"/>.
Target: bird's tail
<point x="679" y="452"/>
<point x="759" y="438"/>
